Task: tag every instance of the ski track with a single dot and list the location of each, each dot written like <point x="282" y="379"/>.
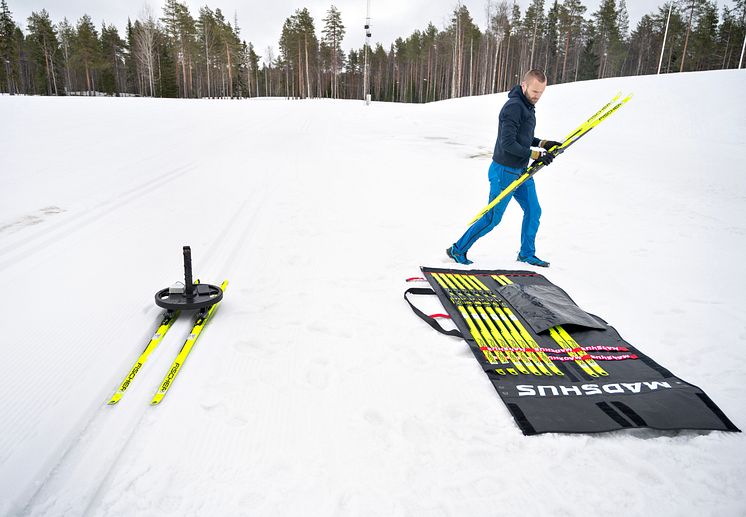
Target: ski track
<point x="97" y="433"/>
<point x="50" y="234"/>
<point x="206" y="262"/>
<point x="94" y="427"/>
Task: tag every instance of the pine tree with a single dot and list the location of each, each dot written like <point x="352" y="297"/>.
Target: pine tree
<point x="180" y="31"/>
<point x="570" y="28"/>
<point x="25" y="77"/>
<point x="704" y="44"/>
<point x="533" y="23"/>
<point x="512" y="65"/>
<point x="551" y="65"/>
<point x="310" y="44"/>
<point x="623" y="20"/>
<point x="130" y="64"/>
<point x="333" y="32"/>
<point x="167" y="80"/>
<point x="227" y="53"/>
<point x="430" y="37"/>
<point x="8" y="50"/>
<point x="378" y="62"/>
<point x="44" y="48"/>
<point x="206" y="36"/>
<point x="288" y="38"/>
<point x="87" y="52"/>
<point x="731" y="35"/>
<point x="353" y="70"/>
<point x="463" y="34"/>
<point x="692" y="7"/>
<point x="642" y="44"/>
<point x="608" y="39"/>
<point x="112" y="53"/>
<point x="588" y="64"/>
<point x="299" y="51"/>
<point x="252" y="59"/>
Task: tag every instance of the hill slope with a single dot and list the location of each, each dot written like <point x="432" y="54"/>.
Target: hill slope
<point x="314" y="390"/>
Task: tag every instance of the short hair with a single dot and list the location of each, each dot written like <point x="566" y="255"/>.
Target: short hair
<point x="537" y="74"/>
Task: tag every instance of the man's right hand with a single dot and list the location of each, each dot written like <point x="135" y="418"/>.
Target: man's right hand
<point x="548" y="144"/>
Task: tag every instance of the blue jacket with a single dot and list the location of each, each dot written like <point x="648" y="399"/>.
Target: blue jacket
<point x="515" y="132"/>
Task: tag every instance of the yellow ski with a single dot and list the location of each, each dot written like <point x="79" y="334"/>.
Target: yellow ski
<point x="168" y="320"/>
<point x="199" y="325"/>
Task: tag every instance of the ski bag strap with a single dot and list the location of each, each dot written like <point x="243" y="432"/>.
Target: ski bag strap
<point x="428" y="319"/>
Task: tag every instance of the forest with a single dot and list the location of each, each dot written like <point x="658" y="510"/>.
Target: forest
<point x="178" y="53"/>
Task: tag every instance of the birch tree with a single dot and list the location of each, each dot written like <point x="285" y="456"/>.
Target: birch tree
<point x="145" y="49"/>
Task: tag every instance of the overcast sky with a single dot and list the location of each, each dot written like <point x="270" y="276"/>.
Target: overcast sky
<point x="261" y="22"/>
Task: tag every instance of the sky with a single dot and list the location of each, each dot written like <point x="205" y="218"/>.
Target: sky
<point x="261" y="22"/>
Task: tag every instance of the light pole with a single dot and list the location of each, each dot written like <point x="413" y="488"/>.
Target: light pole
<point x="366" y="65"/>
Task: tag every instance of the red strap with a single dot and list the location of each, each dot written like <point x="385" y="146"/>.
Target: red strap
<point x="584" y="356"/>
<point x="600" y="348"/>
<point x="416" y="279"/>
<point x="443" y="316"/>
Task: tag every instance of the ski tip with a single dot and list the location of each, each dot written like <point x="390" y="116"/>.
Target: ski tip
<point x="116" y="398"/>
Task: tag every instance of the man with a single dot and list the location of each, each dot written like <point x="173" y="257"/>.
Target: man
<point x="515" y="137"/>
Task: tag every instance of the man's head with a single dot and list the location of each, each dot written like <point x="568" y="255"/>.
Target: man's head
<point x="533" y="85"/>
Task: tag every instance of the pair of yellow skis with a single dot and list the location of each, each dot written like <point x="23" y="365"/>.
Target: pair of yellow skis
<point x="501" y="336"/>
<point x="594" y="120"/>
<point x="166" y="323"/>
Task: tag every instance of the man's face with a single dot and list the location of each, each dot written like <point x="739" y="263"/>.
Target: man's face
<point x="533" y="89"/>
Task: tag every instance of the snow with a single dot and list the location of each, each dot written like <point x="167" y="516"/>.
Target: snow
<point x="315" y="390"/>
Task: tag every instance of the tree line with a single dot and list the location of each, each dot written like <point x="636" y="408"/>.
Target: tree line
<point x="196" y="55"/>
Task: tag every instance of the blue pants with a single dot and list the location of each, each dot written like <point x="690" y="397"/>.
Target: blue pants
<point x="500" y="177"/>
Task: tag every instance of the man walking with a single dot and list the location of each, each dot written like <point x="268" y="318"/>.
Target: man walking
<point x="515" y="137"/>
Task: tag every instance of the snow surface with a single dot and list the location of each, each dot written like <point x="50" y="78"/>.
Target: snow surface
<point x="315" y="390"/>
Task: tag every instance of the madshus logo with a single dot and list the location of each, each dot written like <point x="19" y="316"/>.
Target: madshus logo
<point x="528" y="390"/>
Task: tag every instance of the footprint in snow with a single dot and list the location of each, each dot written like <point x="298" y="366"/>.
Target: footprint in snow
<point x="318" y="327"/>
<point x="216" y="408"/>
<point x="243" y="347"/>
<point x="373" y="417"/>
<point x="33" y="219"/>
<point x="318" y="377"/>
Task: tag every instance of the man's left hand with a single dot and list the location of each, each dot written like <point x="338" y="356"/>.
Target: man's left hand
<point x="545" y="159"/>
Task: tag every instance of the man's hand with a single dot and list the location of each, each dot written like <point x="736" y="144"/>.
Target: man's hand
<point x="548" y="144"/>
<point x="541" y="158"/>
